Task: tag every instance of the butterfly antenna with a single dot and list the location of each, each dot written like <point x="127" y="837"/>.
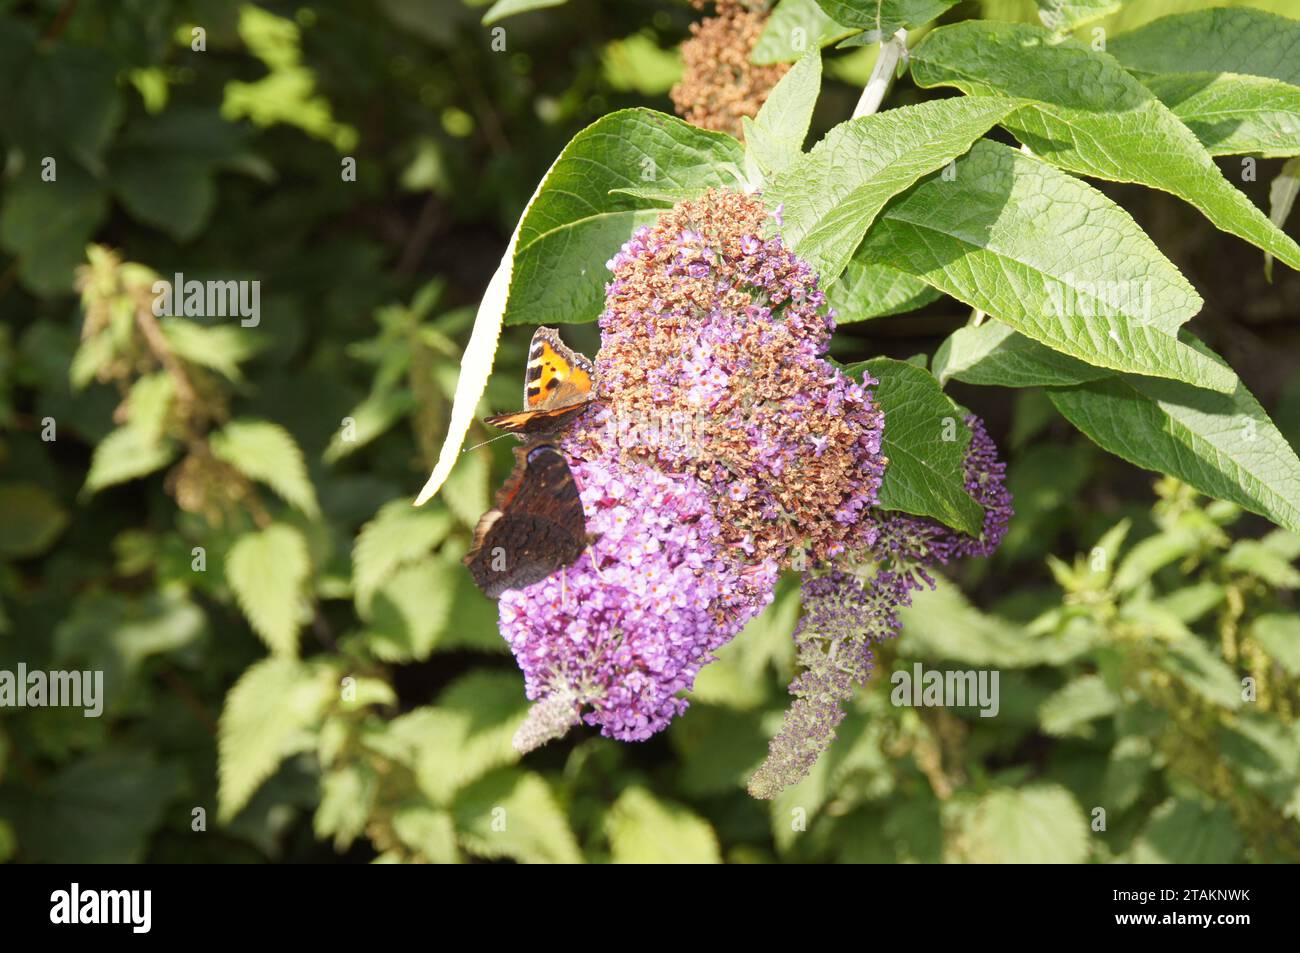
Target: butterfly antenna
<point x="486" y="442"/>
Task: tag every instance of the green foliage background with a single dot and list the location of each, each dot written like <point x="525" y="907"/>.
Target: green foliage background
<point x="221" y="522"/>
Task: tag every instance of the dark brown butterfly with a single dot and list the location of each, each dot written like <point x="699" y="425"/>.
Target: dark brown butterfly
<point x="536" y="527"/>
<point x="558" y="385"/>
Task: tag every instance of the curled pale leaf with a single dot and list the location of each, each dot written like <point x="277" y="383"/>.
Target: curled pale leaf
<point x="476" y="365"/>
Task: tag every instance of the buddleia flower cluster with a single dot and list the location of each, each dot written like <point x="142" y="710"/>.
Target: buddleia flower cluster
<point x="719" y="84"/>
<point x="772" y="459"/>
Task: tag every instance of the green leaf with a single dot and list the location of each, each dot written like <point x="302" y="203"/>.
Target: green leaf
<point x="833" y="194"/>
<point x="31" y="519"/>
<point x="69" y="105"/>
<point x="429" y="831"/>
<point x="884" y="17"/>
<point x="1229" y="40"/>
<point x="995" y="355"/>
<point x="1041" y="824"/>
<point x="1102" y="123"/>
<point x="1186" y="831"/>
<point x="1282" y="194"/>
<point x="267" y="717"/>
<point x="575" y="224"/>
<point x="1151" y="555"/>
<point x="97" y="809"/>
<point x="467" y="735"/>
<point x="508" y="8"/>
<point x="1064" y="16"/>
<point x="268" y="571"/>
<point x="645" y="830"/>
<point x="347" y="799"/>
<point x="266" y="452"/>
<point x="925" y="440"/>
<point x="398" y="534"/>
<point x="1255" y="558"/>
<point x="775" y="138"/>
<point x="792" y="29"/>
<point x="171" y="191"/>
<point x="47" y="225"/>
<point x="126" y="454"/>
<point x="1068" y="711"/>
<point x="942" y="624"/>
<point x="514" y="814"/>
<point x="222" y="347"/>
<point x="1053" y="258"/>
<point x="1127" y="771"/>
<point x="867" y="289"/>
<point x="1279" y="635"/>
<point x="411" y="610"/>
<point x="1222" y="444"/>
<point x="1233" y="114"/>
<point x="1265" y="753"/>
<point x="372" y="418"/>
<point x="149" y="405"/>
<point x="1202" y="670"/>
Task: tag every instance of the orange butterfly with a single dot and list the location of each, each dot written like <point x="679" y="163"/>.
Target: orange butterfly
<point x="558" y="385"/>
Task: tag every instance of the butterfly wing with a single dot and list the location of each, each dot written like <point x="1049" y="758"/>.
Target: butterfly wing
<point x="557" y="375"/>
<point x="537" y="421"/>
<point x="536" y="527"/>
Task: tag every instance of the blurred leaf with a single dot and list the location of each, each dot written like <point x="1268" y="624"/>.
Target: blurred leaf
<point x="266" y="452"/>
<point x="98" y="809"/>
<point x="1279" y="635"/>
<point x="268" y="716"/>
<point x="427" y="830"/>
<point x="1202" y="670"/>
<point x="31" y="519"/>
<point x="411" y="609"/>
<point x="268" y="571"/>
<point x="1254" y="557"/>
<point x="171" y="192"/>
<point x="1041" y="824"/>
<point x="47" y="225"/>
<point x="645" y="830"/>
<point x="1183" y="831"/>
<point x="1069" y="710"/>
<point x="515" y="814"/>
<point x="398" y="534"/>
<point x="638" y="63"/>
<point x="347" y="800"/>
<point x="221" y="348"/>
<point x="126" y="454"/>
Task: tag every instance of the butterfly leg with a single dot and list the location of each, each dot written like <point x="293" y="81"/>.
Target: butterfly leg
<point x="564" y="590"/>
<point x="595" y="563"/>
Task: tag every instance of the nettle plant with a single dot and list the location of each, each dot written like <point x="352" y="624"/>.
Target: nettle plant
<point x="719" y="267"/>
